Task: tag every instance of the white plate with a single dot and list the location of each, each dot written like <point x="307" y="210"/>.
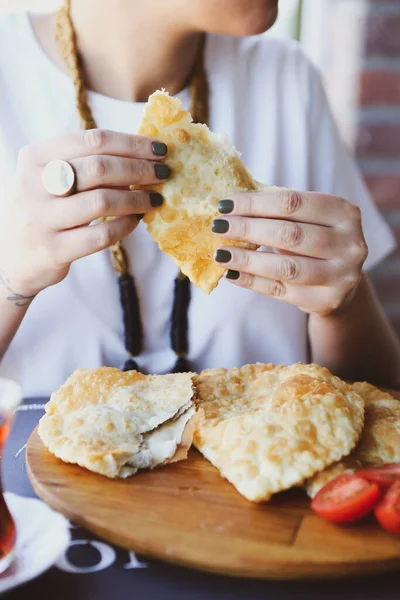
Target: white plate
<point x="42" y="536"/>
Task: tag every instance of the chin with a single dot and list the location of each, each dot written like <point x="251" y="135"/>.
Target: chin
<point x="258" y="26"/>
<point x="233" y="17"/>
<point x="250" y="23"/>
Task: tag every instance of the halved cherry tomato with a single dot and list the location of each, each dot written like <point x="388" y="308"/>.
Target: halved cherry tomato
<point x="346" y="498"/>
<point x="387" y="510"/>
<point x="383" y="475"/>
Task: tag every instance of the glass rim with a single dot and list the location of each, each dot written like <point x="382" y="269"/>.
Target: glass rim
<point x="10" y="394"/>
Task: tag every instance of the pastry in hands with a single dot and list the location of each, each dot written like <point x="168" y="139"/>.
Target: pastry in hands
<point x="380" y="439"/>
<point x="268" y="428"/>
<point x="116" y="423"/>
<point x="205" y="169"/>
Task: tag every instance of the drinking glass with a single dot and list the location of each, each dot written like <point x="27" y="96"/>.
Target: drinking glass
<point x="10" y="398"/>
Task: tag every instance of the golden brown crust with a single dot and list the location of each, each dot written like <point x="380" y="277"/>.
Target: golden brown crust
<point x="380" y="439"/>
<point x="268" y="428"/>
<point x="105" y="420"/>
<point x="205" y="168"/>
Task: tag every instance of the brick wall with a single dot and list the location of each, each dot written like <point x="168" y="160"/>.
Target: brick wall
<point x="378" y="133"/>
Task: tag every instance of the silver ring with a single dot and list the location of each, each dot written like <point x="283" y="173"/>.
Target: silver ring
<point x="59" y="178"/>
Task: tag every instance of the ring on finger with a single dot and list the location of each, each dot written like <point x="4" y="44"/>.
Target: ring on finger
<point x="59" y="178"/>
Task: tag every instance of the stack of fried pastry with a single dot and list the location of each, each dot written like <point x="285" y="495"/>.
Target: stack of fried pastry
<point x="380" y="438"/>
<point x="116" y="423"/>
<point x="266" y="428"/>
<point x="269" y="428"/>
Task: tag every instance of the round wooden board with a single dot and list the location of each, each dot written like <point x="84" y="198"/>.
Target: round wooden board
<point x="189" y="515"/>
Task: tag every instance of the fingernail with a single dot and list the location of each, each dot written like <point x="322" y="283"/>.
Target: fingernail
<point x="225" y="206"/>
<point x="223" y="256"/>
<point x="220" y="226"/>
<point x="159" y="148"/>
<point x="156" y="199"/>
<point x="232" y="274"/>
<point x="140" y="217"/>
<point x="162" y="171"/>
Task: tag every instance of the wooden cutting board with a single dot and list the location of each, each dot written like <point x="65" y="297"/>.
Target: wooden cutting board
<point x="189" y="515"/>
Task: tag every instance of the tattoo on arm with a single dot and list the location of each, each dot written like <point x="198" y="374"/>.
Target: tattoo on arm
<point x="17" y="299"/>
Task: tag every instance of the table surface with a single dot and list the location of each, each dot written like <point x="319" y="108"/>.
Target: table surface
<point x="94" y="570"/>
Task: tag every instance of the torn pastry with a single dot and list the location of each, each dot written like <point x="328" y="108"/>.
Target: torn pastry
<point x="116" y="423"/>
<point x="205" y="169"/>
<point x="380" y="439"/>
<point x="268" y="428"/>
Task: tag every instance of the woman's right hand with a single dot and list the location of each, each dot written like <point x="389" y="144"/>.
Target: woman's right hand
<point x="41" y="235"/>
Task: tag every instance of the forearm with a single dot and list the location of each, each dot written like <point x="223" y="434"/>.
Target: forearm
<point x="358" y="343"/>
<point x="13" y="307"/>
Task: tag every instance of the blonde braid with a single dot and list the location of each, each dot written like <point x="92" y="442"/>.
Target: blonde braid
<point x="66" y="41"/>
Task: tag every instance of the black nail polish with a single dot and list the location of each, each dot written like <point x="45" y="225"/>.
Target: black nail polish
<point x="156" y="199"/>
<point x="220" y="226"/>
<point x="140" y="217"/>
<point x="232" y="275"/>
<point x="159" y="148"/>
<point x="162" y="171"/>
<point x="223" y="256"/>
<point x="225" y="206"/>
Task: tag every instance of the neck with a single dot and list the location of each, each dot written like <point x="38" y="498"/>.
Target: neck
<point x="128" y="51"/>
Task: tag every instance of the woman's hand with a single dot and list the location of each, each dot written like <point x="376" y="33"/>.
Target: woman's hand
<point x="41" y="235"/>
<point x="319" y="242"/>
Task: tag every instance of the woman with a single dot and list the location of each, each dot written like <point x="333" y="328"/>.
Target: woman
<point x="59" y="304"/>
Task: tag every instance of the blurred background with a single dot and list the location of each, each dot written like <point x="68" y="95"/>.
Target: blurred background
<point x="356" y="46"/>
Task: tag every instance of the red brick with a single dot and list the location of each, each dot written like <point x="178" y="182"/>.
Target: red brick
<point x="379" y="140"/>
<point x="385" y="190"/>
<point x="382" y="34"/>
<point x="379" y="87"/>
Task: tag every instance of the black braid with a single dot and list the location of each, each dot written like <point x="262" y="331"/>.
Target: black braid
<point x="133" y="331"/>
<point x="180" y="323"/>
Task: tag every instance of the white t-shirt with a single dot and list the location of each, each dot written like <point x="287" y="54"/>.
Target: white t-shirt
<point x="269" y="100"/>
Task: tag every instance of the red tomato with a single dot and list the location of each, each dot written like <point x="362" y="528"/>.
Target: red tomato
<point x="387" y="511"/>
<point x="346" y="498"/>
<point x="383" y="475"/>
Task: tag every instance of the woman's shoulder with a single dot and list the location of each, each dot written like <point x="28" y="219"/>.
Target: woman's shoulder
<point x="264" y="48"/>
<point x="263" y="64"/>
<point x="262" y="56"/>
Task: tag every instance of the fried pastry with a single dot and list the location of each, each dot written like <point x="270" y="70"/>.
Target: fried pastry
<point x="116" y="423"/>
<point x="380" y="439"/>
<point x="205" y="168"/>
<point x="268" y="428"/>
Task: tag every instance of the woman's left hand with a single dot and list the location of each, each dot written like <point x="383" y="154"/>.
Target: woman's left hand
<point x="319" y="242"/>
